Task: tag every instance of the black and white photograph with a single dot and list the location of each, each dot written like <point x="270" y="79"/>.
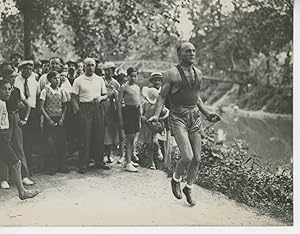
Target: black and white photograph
<point x="139" y="113"/>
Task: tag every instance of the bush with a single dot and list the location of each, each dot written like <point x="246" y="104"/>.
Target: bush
<point x="234" y="172"/>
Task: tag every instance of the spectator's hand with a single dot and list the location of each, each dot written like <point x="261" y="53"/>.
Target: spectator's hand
<point x="75" y="109"/>
<point x="144" y="119"/>
<point x="22" y="122"/>
<point x="153" y="119"/>
<point x="61" y="122"/>
<point x="213" y="117"/>
<point x="52" y="123"/>
<point x="97" y="99"/>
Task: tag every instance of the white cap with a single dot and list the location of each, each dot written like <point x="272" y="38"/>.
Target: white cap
<point x="26" y="62"/>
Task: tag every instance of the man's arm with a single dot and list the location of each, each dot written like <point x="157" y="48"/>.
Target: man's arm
<point x="120" y="98"/>
<point x="165" y="90"/>
<point x="211" y="116"/>
<point x="75" y="96"/>
<point x="74" y="102"/>
<point x="203" y="108"/>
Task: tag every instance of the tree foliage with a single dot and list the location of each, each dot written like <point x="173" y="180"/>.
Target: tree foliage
<point x="233" y="39"/>
<point x="106" y="29"/>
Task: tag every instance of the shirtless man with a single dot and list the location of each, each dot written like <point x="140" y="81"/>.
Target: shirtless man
<point x="181" y="85"/>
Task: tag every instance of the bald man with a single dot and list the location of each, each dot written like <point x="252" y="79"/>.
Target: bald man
<point x="88" y="92"/>
<point x="181" y="85"/>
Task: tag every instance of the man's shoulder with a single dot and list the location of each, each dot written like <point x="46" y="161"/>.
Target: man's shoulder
<point x="171" y="71"/>
<point x="19" y="78"/>
<point x="32" y="79"/>
<point x="97" y="77"/>
<point x="199" y="72"/>
<point x="170" y="75"/>
<point x="43" y="77"/>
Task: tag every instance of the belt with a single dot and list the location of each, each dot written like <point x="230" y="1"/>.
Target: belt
<point x="87" y="103"/>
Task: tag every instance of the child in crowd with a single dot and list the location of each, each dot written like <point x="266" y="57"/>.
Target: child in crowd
<point x="13" y="105"/>
<point x="111" y="132"/>
<point x="129" y="115"/>
<point x="152" y="132"/>
<point x="8" y="155"/>
<point x="53" y="107"/>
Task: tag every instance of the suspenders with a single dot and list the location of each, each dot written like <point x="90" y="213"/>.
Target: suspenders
<point x="184" y="78"/>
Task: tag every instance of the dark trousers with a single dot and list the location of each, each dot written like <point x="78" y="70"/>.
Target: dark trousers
<point x="56" y="145"/>
<point x="16" y="140"/>
<point x="72" y="131"/>
<point x="31" y="135"/>
<point x="91" y="124"/>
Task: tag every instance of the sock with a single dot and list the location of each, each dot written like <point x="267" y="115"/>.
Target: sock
<point x="188" y="186"/>
<point x="177" y="180"/>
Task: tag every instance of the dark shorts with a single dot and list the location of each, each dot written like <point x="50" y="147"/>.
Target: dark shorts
<point x="131" y="119"/>
<point x="185" y="119"/>
<point x="7" y="154"/>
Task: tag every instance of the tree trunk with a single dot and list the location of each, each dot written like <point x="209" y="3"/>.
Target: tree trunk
<point x="27" y="4"/>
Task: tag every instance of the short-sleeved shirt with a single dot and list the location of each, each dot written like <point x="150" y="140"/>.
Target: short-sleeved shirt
<point x="34" y="89"/>
<point x="131" y="94"/>
<point x="67" y="88"/>
<point x="43" y="81"/>
<point x="4" y="123"/>
<point x="12" y="104"/>
<point x="88" y="88"/>
<point x="54" y="98"/>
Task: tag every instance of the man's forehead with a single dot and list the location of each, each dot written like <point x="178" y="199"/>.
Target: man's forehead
<point x="27" y="66"/>
<point x="89" y="61"/>
<point x="187" y="45"/>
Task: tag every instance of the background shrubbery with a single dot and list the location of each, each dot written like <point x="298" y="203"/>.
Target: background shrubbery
<point x="234" y="172"/>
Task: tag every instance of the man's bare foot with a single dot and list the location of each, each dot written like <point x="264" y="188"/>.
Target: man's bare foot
<point x="28" y="194"/>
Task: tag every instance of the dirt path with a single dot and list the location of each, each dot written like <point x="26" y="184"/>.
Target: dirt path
<point x="113" y="198"/>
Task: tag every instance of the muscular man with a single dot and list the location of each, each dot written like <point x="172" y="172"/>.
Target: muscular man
<point x="181" y="85"/>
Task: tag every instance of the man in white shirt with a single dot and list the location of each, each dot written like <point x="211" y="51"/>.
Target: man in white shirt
<point x="88" y="92"/>
<point x="30" y="88"/>
<point x="8" y="155"/>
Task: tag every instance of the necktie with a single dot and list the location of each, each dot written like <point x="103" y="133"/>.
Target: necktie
<point x="26" y="89"/>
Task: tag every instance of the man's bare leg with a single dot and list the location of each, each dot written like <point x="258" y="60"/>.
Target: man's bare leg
<point x="193" y="167"/>
<point x="17" y="178"/>
<point x="183" y="142"/>
<point x="186" y="152"/>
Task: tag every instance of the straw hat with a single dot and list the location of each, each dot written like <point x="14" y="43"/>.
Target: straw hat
<point x="151" y="94"/>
